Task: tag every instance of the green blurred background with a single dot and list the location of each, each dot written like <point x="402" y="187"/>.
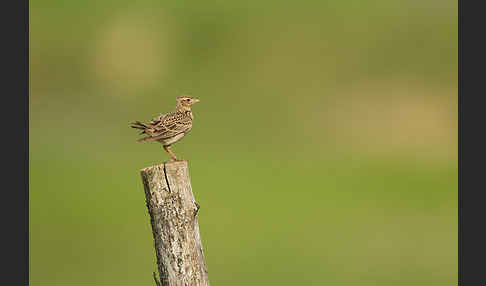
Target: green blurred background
<point x="324" y="148"/>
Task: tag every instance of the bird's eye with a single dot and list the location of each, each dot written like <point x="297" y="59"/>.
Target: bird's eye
<point x="188" y="100"/>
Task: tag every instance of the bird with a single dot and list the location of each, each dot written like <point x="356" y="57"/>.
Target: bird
<point x="170" y="127"/>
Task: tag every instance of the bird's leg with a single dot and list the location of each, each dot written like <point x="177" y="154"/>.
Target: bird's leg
<point x="172" y="155"/>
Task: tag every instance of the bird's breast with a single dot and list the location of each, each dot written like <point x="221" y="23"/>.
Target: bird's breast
<point x="189" y="113"/>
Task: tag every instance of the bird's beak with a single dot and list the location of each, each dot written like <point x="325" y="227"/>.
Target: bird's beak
<point x="195" y="100"/>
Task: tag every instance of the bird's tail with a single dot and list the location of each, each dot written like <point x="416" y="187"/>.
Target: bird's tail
<point x="148" y="138"/>
<point x="143" y="127"/>
<point x="139" y="125"/>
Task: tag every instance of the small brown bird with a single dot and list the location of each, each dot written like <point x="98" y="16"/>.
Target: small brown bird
<point x="171" y="127"/>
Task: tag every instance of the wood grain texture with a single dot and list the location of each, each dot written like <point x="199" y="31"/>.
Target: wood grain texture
<point x="173" y="215"/>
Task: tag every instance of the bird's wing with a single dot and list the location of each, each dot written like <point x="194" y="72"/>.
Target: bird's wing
<point x="157" y="119"/>
<point x="169" y="125"/>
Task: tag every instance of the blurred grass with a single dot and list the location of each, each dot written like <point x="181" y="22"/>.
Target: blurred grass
<point x="323" y="151"/>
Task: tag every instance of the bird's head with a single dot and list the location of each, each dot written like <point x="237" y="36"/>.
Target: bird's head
<point x="186" y="101"/>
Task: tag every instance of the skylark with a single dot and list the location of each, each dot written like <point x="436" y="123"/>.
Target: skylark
<point x="171" y="127"/>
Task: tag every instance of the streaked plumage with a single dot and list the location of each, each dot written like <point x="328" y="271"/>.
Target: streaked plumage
<point x="171" y="127"/>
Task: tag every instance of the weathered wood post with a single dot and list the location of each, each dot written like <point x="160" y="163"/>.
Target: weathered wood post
<point x="173" y="215"/>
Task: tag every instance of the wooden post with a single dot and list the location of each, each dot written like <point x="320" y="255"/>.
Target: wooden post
<point x="173" y="215"/>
